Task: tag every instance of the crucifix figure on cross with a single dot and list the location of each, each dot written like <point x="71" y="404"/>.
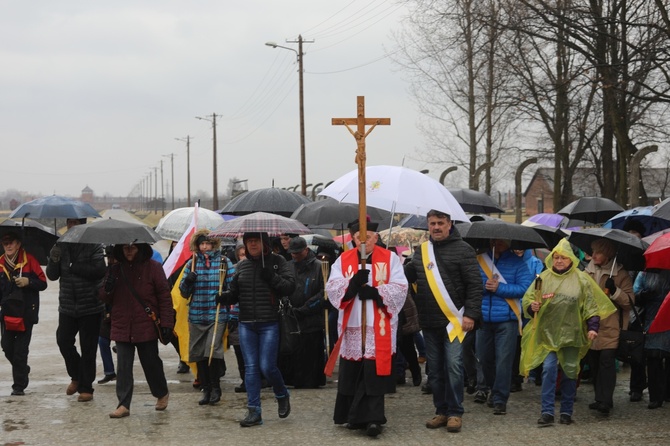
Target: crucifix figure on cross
<point x="360" y="134"/>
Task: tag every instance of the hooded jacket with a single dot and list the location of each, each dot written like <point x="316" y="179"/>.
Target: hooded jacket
<point x="130" y="323"/>
<point x="571" y="304"/>
<point x="210" y="267"/>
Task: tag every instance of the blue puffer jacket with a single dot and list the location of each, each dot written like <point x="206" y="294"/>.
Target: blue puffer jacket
<point x="515" y="271"/>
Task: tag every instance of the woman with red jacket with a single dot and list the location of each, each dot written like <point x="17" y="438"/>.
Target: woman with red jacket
<point x="136" y="274"/>
<point x="21" y="281"/>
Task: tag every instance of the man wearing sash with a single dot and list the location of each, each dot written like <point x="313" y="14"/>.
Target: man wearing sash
<point x="366" y="360"/>
<point x="506" y="277"/>
<point x="448" y="299"/>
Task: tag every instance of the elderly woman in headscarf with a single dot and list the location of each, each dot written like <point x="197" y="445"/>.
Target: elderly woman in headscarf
<point x="566" y="306"/>
<point x="615" y="281"/>
<point x="205" y="276"/>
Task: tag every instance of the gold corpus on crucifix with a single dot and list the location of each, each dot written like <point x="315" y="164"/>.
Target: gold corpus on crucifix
<point x="360" y="134"/>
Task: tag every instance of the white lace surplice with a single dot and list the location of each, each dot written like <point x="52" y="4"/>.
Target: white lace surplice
<point x="393" y="295"/>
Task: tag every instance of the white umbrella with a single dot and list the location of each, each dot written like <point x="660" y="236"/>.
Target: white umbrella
<point x="397" y="189"/>
<point x="176" y="222"/>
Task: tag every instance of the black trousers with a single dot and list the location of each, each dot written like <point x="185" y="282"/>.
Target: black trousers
<point x="603" y="374"/>
<point x="658" y="372"/>
<point x="15" y="345"/>
<point x="80" y="367"/>
<point x="151" y="364"/>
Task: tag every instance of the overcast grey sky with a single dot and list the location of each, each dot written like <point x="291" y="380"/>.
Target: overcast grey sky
<point x="94" y="93"/>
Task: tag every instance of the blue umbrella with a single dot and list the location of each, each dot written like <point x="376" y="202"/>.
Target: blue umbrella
<point x="643" y="214"/>
<point x="54" y="206"/>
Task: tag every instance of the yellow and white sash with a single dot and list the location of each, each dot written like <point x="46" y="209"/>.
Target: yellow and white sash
<point x="491" y="270"/>
<point x="436" y="284"/>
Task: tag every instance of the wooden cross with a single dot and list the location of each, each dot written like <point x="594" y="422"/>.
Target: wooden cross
<point x="360" y="134"/>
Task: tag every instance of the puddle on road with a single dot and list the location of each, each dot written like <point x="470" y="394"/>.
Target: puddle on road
<point x="11" y="425"/>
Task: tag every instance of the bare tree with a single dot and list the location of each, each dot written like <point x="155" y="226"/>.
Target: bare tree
<point x="625" y="43"/>
<point x="451" y="59"/>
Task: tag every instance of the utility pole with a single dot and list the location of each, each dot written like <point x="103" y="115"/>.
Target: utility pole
<point x="212" y="118"/>
<point x="188" y="168"/>
<point x="301" y="97"/>
<point x="156" y="190"/>
<point x="172" y="180"/>
<point x="162" y="191"/>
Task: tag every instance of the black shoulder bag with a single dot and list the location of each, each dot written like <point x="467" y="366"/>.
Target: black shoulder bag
<point x="152" y="315"/>
<point x="631" y="343"/>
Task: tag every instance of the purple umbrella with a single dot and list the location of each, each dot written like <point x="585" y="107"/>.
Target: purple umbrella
<point x="551" y="220"/>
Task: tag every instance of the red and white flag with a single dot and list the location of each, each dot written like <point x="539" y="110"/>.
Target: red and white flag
<point x="181" y="253"/>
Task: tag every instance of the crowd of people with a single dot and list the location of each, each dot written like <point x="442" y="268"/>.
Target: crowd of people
<point x="482" y="319"/>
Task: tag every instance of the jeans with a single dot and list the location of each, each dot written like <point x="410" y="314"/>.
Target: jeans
<point x="80" y="368"/>
<point x="496" y="347"/>
<point x="445" y="374"/>
<point x="568" y="387"/>
<point x="260" y="346"/>
<point x="106" y="355"/>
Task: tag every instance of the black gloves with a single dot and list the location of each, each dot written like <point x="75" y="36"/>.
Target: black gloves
<point x="223" y="298"/>
<point x="610" y="287"/>
<point x="371" y="293"/>
<point x="190" y="278"/>
<point x="54" y="254"/>
<point x="361" y="277"/>
<point x="166" y="334"/>
<point x="267" y="273"/>
<point x="110" y="281"/>
<point x="232" y="325"/>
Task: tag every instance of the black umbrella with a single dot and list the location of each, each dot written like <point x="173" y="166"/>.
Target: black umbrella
<point x="551" y="236"/>
<point x="475" y="201"/>
<point x="111" y="232"/>
<point x="522" y="237"/>
<point x="590" y="209"/>
<point x="269" y="200"/>
<point x="414" y="222"/>
<point x="630" y="249"/>
<point x="36" y="238"/>
<point x="332" y="214"/>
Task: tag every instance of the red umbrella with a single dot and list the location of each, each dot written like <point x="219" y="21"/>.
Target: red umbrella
<point x="657" y="255"/>
<point x="662" y="320"/>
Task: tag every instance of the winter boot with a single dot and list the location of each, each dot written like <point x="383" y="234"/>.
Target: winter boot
<point x="206" y="395"/>
<point x="215" y="397"/>
<point x="253" y="417"/>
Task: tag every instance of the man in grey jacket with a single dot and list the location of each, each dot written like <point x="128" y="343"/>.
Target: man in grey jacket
<point x="80" y="268"/>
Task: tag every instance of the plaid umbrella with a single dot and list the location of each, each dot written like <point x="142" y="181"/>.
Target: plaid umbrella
<point x="273" y="224"/>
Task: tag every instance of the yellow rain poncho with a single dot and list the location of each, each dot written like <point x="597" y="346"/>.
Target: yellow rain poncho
<point x="568" y="301"/>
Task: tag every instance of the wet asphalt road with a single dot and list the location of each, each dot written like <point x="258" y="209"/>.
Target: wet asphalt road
<point x="45" y="415"/>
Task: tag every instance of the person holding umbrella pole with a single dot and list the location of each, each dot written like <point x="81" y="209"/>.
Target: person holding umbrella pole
<point x="205" y="275"/>
<point x="617" y="284"/>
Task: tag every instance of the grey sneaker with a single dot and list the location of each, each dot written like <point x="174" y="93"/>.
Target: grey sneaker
<point x="253" y="418"/>
<point x="499" y="409"/>
<point x="481" y="396"/>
